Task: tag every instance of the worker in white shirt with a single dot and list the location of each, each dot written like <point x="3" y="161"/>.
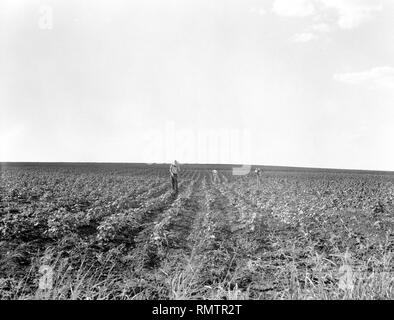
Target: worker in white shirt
<point x="215" y="176"/>
<point x="174" y="170"/>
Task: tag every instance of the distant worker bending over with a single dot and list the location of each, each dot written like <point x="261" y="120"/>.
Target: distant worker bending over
<point x="174" y="170"/>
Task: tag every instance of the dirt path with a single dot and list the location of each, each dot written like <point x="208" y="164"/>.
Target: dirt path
<point x="154" y="212"/>
<point x="180" y="226"/>
<point x="204" y="244"/>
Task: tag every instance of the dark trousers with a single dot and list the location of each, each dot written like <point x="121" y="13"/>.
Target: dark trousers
<point x="174" y="182"/>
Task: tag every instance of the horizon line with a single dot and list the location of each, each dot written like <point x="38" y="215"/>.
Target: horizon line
<point x="194" y="163"/>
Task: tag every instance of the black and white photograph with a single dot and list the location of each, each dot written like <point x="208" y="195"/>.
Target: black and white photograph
<point x="204" y="150"/>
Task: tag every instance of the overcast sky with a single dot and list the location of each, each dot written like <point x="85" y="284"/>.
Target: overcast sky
<point x="286" y="82"/>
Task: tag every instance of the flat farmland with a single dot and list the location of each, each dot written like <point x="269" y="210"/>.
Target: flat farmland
<point x="117" y="231"/>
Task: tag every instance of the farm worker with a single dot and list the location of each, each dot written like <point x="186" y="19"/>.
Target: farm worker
<point x="215" y="176"/>
<point x="258" y="172"/>
<point x="174" y="169"/>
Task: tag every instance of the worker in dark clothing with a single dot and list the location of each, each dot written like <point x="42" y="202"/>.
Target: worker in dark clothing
<point x="174" y="170"/>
